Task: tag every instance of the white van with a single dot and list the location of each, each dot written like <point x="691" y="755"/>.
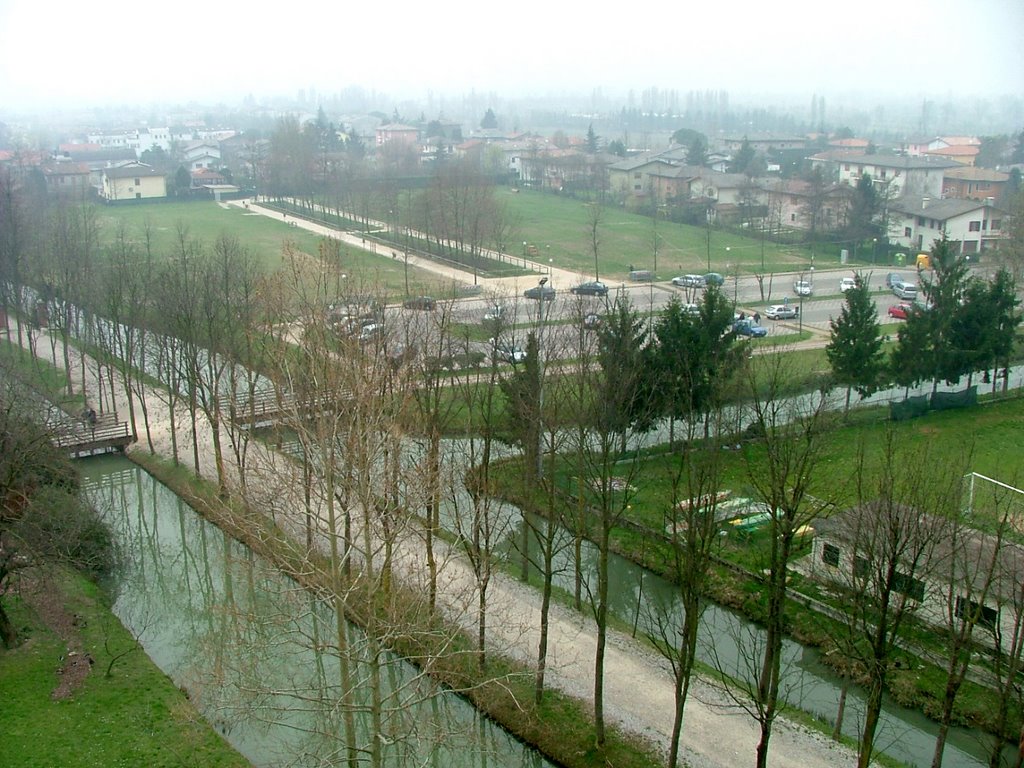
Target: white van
<point x="904" y="290"/>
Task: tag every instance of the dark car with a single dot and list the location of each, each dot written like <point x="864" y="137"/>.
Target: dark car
<point x="747" y="327"/>
<point x="420" y="302"/>
<point x="713" y="278"/>
<point x="593" y="288"/>
<point x="544" y="292"/>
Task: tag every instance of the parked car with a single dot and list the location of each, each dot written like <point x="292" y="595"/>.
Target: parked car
<point x="641" y="276"/>
<point x="420" y="302"/>
<point x="904" y="290"/>
<point x="510" y="353"/>
<point x="542" y="292"/>
<point x="713" y="278"/>
<point x="370" y="331"/>
<point x="691" y="309"/>
<point x="900" y="311"/>
<point x="593" y="288"/>
<point x="847" y="283"/>
<point x="592" y="321"/>
<point x="747" y="327"/>
<point x="494" y="313"/>
<point x="688" y="281"/>
<point x="892" y="278"/>
<point x="782" y="312"/>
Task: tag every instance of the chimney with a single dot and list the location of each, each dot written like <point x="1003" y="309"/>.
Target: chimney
<point x="924" y="202"/>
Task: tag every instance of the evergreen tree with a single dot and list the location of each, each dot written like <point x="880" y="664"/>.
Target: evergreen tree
<point x="624" y="397"/>
<point x="744" y="158"/>
<point x="697" y="151"/>
<point x="489" y="121"/>
<point x="591" y="140"/>
<point x="855" y="348"/>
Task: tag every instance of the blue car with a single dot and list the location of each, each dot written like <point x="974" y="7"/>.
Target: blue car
<point x="747" y="327"/>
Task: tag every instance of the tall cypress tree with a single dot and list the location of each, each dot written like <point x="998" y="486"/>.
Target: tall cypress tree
<point x="855" y="349"/>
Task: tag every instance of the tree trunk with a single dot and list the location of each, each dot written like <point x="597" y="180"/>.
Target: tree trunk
<point x="8" y="635"/>
<point x="602" y="636"/>
<point x="837" y="731"/>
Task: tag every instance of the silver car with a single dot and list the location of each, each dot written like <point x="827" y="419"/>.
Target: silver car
<point x="782" y="312"/>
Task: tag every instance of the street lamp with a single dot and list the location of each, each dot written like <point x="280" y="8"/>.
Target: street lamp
<point x="707" y="216"/>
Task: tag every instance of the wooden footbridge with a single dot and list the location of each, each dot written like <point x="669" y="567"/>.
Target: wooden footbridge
<point x="265" y="409"/>
<point x="80" y="437"/>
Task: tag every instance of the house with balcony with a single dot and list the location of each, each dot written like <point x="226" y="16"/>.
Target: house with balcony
<point x="396" y="133"/>
<point x="897" y="174"/>
<point x="132" y="181"/>
<point x="972" y="183"/>
<point x="941" y="575"/>
<point x="916" y="222"/>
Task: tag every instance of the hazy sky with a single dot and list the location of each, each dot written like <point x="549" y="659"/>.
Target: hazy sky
<point x="114" y="51"/>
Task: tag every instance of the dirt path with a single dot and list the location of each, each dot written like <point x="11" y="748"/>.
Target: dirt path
<point x="638" y="685"/>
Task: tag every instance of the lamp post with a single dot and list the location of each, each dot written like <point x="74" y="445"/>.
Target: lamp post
<point x="707" y="216"/>
<point x="540" y="380"/>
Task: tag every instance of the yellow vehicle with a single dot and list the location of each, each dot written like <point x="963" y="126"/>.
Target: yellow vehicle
<point x="924" y="261"/>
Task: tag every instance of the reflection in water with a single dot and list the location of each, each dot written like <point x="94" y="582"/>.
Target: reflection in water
<point x="263" y="659"/>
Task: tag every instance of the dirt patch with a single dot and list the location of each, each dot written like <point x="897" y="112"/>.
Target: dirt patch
<point x="46" y="598"/>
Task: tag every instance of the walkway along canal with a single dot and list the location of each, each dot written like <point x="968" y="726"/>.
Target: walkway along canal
<point x="255" y="651"/>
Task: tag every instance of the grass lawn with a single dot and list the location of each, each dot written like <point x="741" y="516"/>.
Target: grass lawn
<point x="264" y="237"/>
<point x="558" y="228"/>
<point x="137" y="716"/>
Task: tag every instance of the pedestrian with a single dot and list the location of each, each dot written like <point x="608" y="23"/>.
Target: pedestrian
<point x="743" y="315"/>
<point x="757" y="318"/>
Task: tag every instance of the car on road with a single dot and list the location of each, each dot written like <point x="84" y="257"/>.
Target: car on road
<point x="542" y="292"/>
<point x="591" y="321"/>
<point x="847" y="283"/>
<point x="902" y="289"/>
<point x="900" y="311"/>
<point x="420" y="302"/>
<point x="803" y="287"/>
<point x="747" y="327"/>
<point x="508" y="352"/>
<point x="782" y="312"/>
<point x="688" y="281"/>
<point x="713" y="278"/>
<point x="593" y="288"/>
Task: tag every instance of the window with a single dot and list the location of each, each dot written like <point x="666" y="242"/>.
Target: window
<point x="636" y="175"/>
<point x="861" y="567"/>
<point x="908" y="585"/>
<point x="792" y="217"/>
<point x="974" y="226"/>
<point x="138" y="183"/>
<point x="907" y="232"/>
<point x="830" y="555"/>
<point x="987" y="618"/>
<point x="995" y="224"/>
<point x="637" y="187"/>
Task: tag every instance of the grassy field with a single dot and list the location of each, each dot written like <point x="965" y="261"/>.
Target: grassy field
<point x="264" y="237"/>
<point x="558" y="228"/>
<point x="137" y="716"/>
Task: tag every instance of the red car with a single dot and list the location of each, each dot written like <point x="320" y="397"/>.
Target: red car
<point x="900" y="311"/>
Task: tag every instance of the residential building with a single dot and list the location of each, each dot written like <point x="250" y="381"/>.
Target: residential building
<point x="67" y="179"/>
<point x="899" y="174"/>
<point x="971" y="183"/>
<point x="918" y="221"/>
<point x="132" y="181"/>
<point x="961" y="153"/>
<point x="396" y="133"/>
<point x="797" y="204"/>
<point x="760" y="143"/>
<point x="937" y="570"/>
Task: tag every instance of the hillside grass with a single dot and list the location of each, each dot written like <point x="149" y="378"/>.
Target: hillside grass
<point x="137" y="716"/>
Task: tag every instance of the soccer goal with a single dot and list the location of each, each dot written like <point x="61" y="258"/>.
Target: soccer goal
<point x="991" y="499"/>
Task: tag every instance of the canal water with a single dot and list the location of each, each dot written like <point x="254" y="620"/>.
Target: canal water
<point x="259" y="655"/>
